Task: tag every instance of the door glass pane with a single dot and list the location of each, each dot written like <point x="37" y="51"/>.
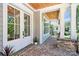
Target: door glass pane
<point x="10" y="18"/>
<point x="28" y="20"/>
<point x="10" y="31"/>
<point x="10" y="23"/>
<point x="46" y="26"/>
<point x="17" y="17"/>
<point x="17" y="31"/>
<point x="25" y="20"/>
<point x="28" y="30"/>
<point x="13" y="23"/>
<point x="25" y="31"/>
<point x="17" y="24"/>
<point x="26" y="25"/>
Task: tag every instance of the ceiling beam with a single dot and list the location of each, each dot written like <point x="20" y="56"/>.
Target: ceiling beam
<point x="47" y="9"/>
<point x="52" y="8"/>
<point x="29" y="6"/>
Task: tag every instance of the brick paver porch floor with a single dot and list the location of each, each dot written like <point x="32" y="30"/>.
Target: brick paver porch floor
<point x="49" y="48"/>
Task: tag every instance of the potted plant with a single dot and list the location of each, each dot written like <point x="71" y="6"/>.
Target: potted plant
<point x="35" y="40"/>
<point x="7" y="51"/>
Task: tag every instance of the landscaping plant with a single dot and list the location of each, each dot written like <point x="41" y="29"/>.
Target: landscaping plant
<point x="7" y="51"/>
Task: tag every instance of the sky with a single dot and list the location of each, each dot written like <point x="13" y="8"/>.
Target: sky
<point x="67" y="15"/>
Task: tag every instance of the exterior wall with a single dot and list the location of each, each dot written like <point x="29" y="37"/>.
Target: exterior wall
<point x="73" y="21"/>
<point x="38" y="27"/>
<point x="1" y="26"/>
<point x="22" y="41"/>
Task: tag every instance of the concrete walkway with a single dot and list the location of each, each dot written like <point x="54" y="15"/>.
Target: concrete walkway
<point x="49" y="48"/>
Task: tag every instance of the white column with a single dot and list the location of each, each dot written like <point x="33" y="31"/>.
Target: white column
<point x="61" y="17"/>
<point x="41" y="28"/>
<point x="36" y="25"/>
<point x="73" y="22"/>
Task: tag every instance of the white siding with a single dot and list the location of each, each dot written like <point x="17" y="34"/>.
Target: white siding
<point x="1" y="26"/>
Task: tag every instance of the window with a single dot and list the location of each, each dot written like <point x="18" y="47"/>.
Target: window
<point x="51" y="29"/>
<point x="67" y="19"/>
<point x="77" y="20"/>
<point x="26" y="25"/>
<point x="54" y="28"/>
<point x="46" y="27"/>
<point x="13" y="23"/>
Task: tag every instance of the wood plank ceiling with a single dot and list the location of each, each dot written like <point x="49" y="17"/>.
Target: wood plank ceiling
<point x="52" y="15"/>
<point x="42" y="5"/>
